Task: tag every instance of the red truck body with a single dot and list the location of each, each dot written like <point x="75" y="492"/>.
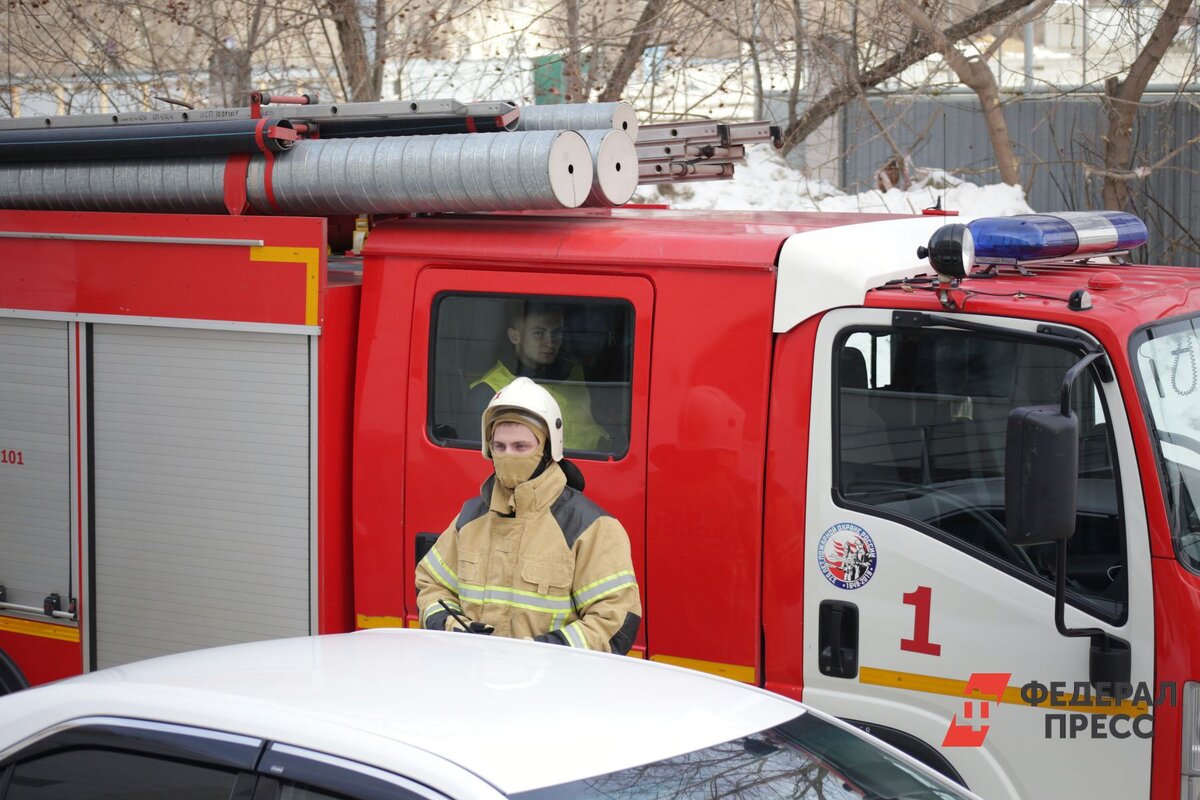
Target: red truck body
<point x="720" y="474"/>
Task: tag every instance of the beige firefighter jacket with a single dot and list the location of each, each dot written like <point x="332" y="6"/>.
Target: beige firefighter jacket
<point x="541" y="561"/>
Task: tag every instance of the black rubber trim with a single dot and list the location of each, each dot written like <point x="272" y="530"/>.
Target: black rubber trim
<point x="212" y="748"/>
<point x="340" y="775"/>
<point x="89" y="601"/>
<point x="911" y="746"/>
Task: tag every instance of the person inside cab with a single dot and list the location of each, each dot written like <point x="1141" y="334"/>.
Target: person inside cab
<point x="530" y="557"/>
<point x="535" y="333"/>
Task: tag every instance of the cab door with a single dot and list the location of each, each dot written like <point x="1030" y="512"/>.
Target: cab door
<point x="921" y="620"/>
<point x="461" y="320"/>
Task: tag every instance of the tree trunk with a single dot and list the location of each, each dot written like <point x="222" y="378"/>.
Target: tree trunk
<point x="381" y="37"/>
<point x="573" y="64"/>
<point x="645" y="31"/>
<point x="977" y="76"/>
<point x="974" y="73"/>
<point x="1121" y="100"/>
<point x="354" y="67"/>
<point x="919" y="47"/>
<point x="229" y="77"/>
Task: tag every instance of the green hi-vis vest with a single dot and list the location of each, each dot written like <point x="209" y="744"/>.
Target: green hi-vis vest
<point x="580" y="431"/>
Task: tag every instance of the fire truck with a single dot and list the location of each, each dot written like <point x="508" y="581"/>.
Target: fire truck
<point x="937" y="476"/>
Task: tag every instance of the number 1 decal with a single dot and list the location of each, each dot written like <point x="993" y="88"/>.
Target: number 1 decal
<point x="920" y="599"/>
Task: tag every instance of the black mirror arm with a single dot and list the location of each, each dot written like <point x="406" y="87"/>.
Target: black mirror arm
<point x="1109" y="657"/>
<point x="1072" y="374"/>
<point x="1060" y="598"/>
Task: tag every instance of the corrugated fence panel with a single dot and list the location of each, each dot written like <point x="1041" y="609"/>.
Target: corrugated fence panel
<point x="35" y="461"/>
<point x="202" y="489"/>
<point x="1054" y="137"/>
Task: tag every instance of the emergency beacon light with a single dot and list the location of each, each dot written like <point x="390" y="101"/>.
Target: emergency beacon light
<point x="953" y="249"/>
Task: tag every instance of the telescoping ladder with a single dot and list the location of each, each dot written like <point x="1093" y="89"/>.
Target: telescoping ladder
<point x="293" y="155"/>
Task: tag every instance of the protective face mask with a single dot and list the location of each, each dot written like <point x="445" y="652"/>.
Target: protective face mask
<point x="512" y="470"/>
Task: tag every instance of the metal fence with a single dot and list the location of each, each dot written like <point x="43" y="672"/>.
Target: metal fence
<point x="1054" y="138"/>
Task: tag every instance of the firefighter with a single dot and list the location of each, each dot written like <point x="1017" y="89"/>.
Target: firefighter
<point x="531" y="557"/>
<point x="535" y="331"/>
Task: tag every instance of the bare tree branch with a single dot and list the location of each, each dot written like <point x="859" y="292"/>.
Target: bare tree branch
<point x="643" y="33"/>
<point x="977" y="76"/>
<point x="1121" y="100"/>
<point x="917" y="48"/>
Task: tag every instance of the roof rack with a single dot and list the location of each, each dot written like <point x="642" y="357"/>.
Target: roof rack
<point x="120" y="161"/>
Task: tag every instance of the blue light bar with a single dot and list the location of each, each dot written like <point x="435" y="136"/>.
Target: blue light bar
<point x="1034" y="237"/>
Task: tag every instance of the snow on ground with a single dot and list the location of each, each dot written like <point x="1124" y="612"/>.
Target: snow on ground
<point x="768" y="183"/>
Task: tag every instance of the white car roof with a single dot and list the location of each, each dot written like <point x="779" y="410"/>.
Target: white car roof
<point x="520" y="715"/>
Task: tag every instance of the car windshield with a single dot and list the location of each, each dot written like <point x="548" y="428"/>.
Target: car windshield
<point x="1168" y="372"/>
<point x="802" y="759"/>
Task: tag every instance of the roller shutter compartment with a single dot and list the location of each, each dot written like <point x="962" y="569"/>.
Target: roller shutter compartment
<point x="35" y="461"/>
<point x="201" y="489"/>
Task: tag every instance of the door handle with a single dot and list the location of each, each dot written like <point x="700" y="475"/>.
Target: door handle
<point x="837" y="639"/>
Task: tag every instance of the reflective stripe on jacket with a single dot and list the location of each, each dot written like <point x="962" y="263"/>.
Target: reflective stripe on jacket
<point x="580" y="431"/>
<point x="540" y="559"/>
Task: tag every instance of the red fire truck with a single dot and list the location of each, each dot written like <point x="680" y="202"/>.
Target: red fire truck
<point x="948" y="495"/>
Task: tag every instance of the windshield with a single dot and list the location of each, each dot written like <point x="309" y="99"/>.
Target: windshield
<point x="806" y="758"/>
<point x="1167" y="358"/>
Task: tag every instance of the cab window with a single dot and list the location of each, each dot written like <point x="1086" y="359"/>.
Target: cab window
<point x="101" y="774"/>
<point x="579" y="349"/>
<point x="922" y="418"/>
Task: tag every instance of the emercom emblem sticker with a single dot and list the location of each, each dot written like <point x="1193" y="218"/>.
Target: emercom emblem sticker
<point x="847" y="556"/>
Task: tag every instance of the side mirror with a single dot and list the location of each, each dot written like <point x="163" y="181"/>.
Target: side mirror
<point x="1041" y="468"/>
<point x="1041" y="474"/>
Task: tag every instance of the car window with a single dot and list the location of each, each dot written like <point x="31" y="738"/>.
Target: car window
<point x="806" y="758"/>
<point x="579" y="349"/>
<point x="294" y="792"/>
<point x="93" y="774"/>
<point x="310" y="775"/>
<point x="922" y="421"/>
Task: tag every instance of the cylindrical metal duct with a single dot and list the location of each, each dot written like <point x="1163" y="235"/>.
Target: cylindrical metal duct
<point x="166" y="185"/>
<point x="614" y="168"/>
<point x="471" y="172"/>
<point x="157" y="140"/>
<point x="580" y="117"/>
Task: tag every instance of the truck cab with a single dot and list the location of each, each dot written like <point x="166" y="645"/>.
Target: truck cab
<point x="808" y="443"/>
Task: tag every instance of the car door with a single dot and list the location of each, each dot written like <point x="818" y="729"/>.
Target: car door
<point x="920" y="617"/>
<point x="461" y="323"/>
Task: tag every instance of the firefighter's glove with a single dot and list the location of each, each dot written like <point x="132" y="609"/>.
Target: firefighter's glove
<point x="553" y="637"/>
<point x="472" y="627"/>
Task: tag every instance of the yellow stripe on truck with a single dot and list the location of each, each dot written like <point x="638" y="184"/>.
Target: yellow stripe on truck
<point x="364" y="621"/>
<point x="735" y="671"/>
<point x="953" y="687"/>
<point x="46" y="630"/>
<point x="310" y="257"/>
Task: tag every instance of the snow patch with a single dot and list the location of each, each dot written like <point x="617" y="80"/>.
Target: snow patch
<point x="767" y="183"/>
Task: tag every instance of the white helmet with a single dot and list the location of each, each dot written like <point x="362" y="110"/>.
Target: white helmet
<point x="525" y="395"/>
